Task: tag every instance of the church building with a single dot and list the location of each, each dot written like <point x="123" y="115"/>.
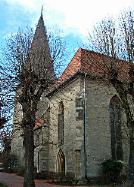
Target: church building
<point x="80" y="122"/>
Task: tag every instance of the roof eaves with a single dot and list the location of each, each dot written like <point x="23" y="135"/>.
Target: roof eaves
<point x="63" y="84"/>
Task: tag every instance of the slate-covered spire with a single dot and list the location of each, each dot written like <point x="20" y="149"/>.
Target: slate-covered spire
<point x="40" y="57"/>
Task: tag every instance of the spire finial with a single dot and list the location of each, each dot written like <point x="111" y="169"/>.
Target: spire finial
<point x="42" y="11"/>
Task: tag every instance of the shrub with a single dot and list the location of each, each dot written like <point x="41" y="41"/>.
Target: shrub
<point x="3" y="185"/>
<point x="21" y="171"/>
<point x="70" y="177"/>
<point x="56" y="177"/>
<point x="41" y="175"/>
<point x="10" y="163"/>
<point x="112" y="169"/>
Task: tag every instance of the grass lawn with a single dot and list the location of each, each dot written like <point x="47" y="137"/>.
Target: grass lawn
<point x="2" y="185"/>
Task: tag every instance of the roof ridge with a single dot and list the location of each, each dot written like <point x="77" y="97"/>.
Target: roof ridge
<point x="78" y="54"/>
<point x="106" y="56"/>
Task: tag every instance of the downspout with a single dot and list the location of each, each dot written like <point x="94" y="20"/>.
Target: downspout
<point x="84" y="123"/>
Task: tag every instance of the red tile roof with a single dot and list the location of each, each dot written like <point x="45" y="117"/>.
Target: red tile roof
<point x="95" y="64"/>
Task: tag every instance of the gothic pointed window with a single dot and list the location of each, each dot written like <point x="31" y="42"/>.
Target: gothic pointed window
<point x="61" y="123"/>
<point x="115" y="125"/>
<point x="61" y="162"/>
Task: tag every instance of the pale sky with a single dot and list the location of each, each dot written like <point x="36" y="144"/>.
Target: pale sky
<point x="75" y="18"/>
<point x="69" y="15"/>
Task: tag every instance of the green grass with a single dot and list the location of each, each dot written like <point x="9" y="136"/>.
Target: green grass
<point x="2" y="185"/>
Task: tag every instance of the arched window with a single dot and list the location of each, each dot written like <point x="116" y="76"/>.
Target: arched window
<point x="115" y="124"/>
<point x="61" y="162"/>
<point x="61" y="123"/>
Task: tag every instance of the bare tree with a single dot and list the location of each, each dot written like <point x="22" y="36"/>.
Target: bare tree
<point x="114" y="37"/>
<point x="30" y="71"/>
<point x="126" y="24"/>
<point x="103" y="38"/>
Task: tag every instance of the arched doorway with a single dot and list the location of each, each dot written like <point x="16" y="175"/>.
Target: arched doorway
<point x="115" y="125"/>
<point x="61" y="162"/>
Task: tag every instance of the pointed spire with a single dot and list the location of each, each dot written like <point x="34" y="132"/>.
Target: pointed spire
<point x="42" y="62"/>
<point x="42" y="11"/>
<point x="40" y="31"/>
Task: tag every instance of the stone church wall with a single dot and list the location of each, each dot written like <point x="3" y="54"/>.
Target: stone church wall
<point x="97" y="128"/>
<point x="17" y="138"/>
<point x="97" y="122"/>
<point x="41" y="148"/>
<point x="98" y="135"/>
<point x="40" y="136"/>
<point x="73" y="130"/>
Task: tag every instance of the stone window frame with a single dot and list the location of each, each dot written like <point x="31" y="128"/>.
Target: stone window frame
<point x="61" y="123"/>
<point x="115" y="111"/>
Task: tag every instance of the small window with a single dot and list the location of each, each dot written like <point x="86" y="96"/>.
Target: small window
<point x="79" y="108"/>
<point x="79" y="102"/>
<point x="79" y="114"/>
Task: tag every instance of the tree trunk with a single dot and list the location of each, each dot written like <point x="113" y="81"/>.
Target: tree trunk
<point x="131" y="156"/>
<point x="29" y="156"/>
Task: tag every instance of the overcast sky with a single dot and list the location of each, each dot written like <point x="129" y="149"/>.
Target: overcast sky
<point x="74" y="17"/>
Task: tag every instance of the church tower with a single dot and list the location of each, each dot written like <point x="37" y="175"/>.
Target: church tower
<point x="39" y="62"/>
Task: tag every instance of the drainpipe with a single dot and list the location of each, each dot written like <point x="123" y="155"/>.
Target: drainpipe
<point x="84" y="123"/>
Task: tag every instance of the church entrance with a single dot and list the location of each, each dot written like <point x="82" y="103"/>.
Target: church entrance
<point x="61" y="162"/>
